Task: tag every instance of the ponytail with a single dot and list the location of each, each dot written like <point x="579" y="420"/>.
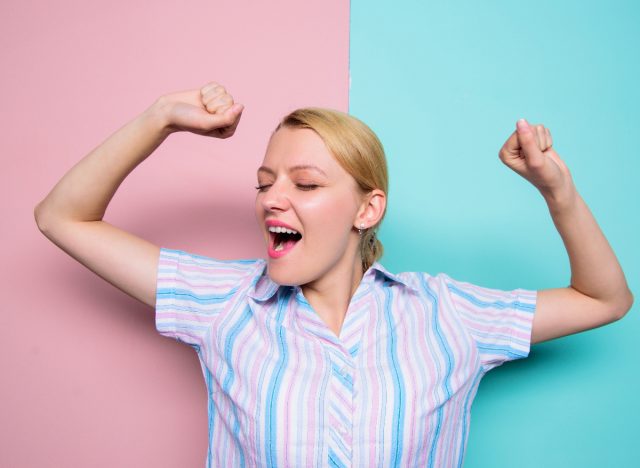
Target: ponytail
<point x="370" y="248"/>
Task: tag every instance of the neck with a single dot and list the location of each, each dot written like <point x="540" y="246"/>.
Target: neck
<point x="331" y="294"/>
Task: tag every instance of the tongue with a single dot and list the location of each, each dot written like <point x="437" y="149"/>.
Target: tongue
<point x="288" y="243"/>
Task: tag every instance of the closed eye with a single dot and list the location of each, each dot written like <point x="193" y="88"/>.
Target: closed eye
<point x="262" y="188"/>
<point x="307" y="187"/>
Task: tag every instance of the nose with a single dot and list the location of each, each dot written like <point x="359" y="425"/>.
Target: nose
<point x="275" y="198"/>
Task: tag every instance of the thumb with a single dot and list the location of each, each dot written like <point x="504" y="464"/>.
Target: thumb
<point x="235" y="112"/>
<point x="527" y="140"/>
<point x="225" y="118"/>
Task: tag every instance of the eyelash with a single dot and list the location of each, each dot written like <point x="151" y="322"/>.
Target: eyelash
<point x="306" y="188"/>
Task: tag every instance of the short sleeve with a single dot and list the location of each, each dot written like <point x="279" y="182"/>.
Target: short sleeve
<point x="499" y="321"/>
<point x="192" y="290"/>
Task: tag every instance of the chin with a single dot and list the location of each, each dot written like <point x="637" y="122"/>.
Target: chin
<point x="288" y="275"/>
<point x="284" y="276"/>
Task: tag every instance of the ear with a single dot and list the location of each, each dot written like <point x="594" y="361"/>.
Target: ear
<point x="371" y="210"/>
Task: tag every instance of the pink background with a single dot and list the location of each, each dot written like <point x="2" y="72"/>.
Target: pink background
<point x="86" y="379"/>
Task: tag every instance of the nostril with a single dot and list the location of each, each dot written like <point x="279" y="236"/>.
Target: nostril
<point x="275" y="203"/>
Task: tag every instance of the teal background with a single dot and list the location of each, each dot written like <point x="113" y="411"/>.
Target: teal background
<point x="443" y="85"/>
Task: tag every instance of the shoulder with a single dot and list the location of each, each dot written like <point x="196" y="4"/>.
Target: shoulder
<point x="443" y="284"/>
<point x="194" y="269"/>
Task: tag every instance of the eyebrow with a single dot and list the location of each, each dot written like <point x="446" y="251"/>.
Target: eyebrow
<point x="299" y="167"/>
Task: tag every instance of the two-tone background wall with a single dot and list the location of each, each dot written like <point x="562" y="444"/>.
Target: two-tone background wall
<point x="87" y="382"/>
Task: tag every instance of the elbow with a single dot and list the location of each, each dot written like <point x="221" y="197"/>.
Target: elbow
<point x="37" y="215"/>
<point x="44" y="219"/>
<point x="622" y="305"/>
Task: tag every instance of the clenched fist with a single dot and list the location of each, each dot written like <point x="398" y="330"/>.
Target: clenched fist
<point x="529" y="152"/>
<point x="208" y="111"/>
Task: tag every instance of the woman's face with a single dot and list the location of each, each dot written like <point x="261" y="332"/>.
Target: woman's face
<point x="304" y="190"/>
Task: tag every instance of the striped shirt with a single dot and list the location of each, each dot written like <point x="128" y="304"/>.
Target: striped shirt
<point x="394" y="389"/>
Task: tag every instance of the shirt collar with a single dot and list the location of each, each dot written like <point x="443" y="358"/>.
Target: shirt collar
<point x="395" y="278"/>
<point x="264" y="288"/>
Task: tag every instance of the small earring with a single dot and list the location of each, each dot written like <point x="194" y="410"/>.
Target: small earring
<point x="361" y="229"/>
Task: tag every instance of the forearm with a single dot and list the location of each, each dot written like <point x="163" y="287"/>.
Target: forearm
<point x="85" y="191"/>
<point x="71" y="214"/>
<point x="595" y="270"/>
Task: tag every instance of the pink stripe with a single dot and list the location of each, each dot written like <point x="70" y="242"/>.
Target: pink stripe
<point x="287" y="407"/>
<point x="407" y="368"/>
<point x="254" y="381"/>
<point x="185" y="284"/>
<point x="204" y="269"/>
<point x="249" y="334"/>
<point x="371" y="428"/>
<point x="313" y="438"/>
<point x="452" y="331"/>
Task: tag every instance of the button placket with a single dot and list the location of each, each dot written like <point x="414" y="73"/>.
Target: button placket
<point x="340" y="404"/>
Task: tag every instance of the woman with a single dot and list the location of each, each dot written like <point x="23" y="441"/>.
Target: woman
<point x="319" y="356"/>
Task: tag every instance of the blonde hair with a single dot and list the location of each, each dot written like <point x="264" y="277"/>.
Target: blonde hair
<point x="358" y="150"/>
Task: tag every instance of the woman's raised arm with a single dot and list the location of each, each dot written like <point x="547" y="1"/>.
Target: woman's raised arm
<point x="71" y="214"/>
<point x="598" y="293"/>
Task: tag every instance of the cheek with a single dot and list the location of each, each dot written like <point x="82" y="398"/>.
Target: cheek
<point x="329" y="217"/>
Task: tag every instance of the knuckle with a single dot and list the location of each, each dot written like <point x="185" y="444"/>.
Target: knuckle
<point x="537" y="164"/>
<point x="162" y="100"/>
<point x="502" y="154"/>
<point x="225" y="132"/>
<point x="208" y="86"/>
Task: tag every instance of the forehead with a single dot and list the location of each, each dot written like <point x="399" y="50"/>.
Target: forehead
<point x="300" y="149"/>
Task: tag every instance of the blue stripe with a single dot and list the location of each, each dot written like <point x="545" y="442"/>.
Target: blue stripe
<point x="199" y="298"/>
<point x="506" y="339"/>
<point x="230" y="377"/>
<point x="211" y="409"/>
<point x="466" y="410"/>
<point x="180" y="308"/>
<point x="340" y="443"/>
<point x="494" y="349"/>
<point x="399" y="391"/>
<point x="271" y="416"/>
<point x="347" y="381"/>
<point x="339" y="414"/>
<point x="381" y="373"/>
<point x="497" y="304"/>
<point x="334" y="460"/>
<point x="176" y="326"/>
<point x="447" y="353"/>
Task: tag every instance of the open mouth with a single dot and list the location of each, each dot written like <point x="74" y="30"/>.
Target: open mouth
<point x="282" y="240"/>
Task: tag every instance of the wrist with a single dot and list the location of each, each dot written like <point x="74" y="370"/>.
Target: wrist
<point x="157" y="115"/>
<point x="561" y="201"/>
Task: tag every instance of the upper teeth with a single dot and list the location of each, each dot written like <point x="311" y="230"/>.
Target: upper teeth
<point x="279" y="229"/>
